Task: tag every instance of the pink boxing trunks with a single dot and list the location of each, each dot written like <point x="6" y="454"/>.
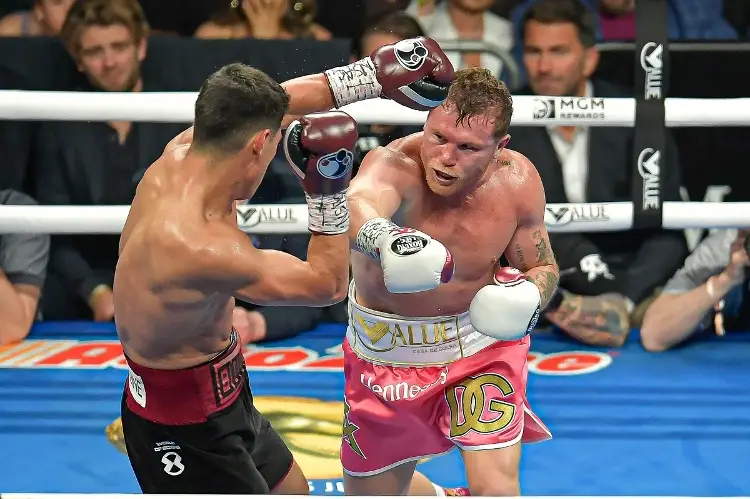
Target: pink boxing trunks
<point x="418" y="387"/>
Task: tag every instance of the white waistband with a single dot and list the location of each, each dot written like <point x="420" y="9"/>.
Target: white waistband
<point x="415" y="341"/>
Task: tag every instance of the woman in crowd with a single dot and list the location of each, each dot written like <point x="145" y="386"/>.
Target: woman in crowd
<point x="268" y="19"/>
<point x="45" y="18"/>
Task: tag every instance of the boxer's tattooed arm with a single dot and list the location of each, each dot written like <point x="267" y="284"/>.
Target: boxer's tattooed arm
<point x="519" y="254"/>
<point x="536" y="260"/>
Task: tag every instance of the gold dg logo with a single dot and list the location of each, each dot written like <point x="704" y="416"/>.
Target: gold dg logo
<point x="467" y="401"/>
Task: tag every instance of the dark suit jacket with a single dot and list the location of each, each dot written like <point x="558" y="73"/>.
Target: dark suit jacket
<point x="71" y="168"/>
<point x="16" y="140"/>
<point x="654" y="254"/>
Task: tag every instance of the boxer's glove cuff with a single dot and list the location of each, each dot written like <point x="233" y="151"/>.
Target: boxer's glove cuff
<point x="354" y="82"/>
<point x="327" y="213"/>
<point x="411" y="260"/>
<point x="372" y="234"/>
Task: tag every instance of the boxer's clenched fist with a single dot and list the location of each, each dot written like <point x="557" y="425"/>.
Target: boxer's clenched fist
<point x="411" y="260"/>
<point x="320" y="149"/>
<point x="508" y="309"/>
<point x="414" y="72"/>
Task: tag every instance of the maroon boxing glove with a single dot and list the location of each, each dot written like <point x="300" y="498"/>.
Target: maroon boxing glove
<point x="320" y="149"/>
<point x="414" y="72"/>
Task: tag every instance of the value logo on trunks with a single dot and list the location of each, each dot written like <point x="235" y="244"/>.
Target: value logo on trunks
<point x="474" y="405"/>
<point x="384" y="337"/>
<point x="228" y="375"/>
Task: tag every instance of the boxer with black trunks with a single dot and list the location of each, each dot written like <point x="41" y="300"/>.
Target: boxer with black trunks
<point x="188" y="418"/>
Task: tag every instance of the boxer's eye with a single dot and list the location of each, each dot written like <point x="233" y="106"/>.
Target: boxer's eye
<point x="439" y="137"/>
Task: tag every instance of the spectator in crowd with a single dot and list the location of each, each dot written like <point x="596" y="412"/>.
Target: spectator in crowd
<point x="269" y="323"/>
<point x="465" y="20"/>
<point x="23" y="267"/>
<point x="96" y="163"/>
<point x="390" y="29"/>
<point x="269" y="19"/>
<point x="603" y="275"/>
<point x="45" y="18"/>
<point x="686" y="19"/>
<point x="711" y="287"/>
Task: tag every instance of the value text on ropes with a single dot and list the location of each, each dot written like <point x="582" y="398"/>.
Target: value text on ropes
<point x="648" y="167"/>
<point x="651" y="62"/>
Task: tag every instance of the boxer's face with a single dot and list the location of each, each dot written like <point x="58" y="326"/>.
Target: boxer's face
<point x="51" y="14"/>
<point x="456" y="156"/>
<point x="556" y="61"/>
<point x="111" y="58"/>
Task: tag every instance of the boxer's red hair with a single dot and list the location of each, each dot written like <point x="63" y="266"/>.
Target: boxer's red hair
<point x="476" y="92"/>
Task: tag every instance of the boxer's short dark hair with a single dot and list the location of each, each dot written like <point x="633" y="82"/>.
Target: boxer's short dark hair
<point x="476" y="92"/>
<point x="234" y="103"/>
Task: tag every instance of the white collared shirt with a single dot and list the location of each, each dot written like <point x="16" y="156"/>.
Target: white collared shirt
<point x="438" y="25"/>
<point x="574" y="157"/>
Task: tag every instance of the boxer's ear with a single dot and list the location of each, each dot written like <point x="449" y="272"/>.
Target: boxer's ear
<point x="503" y="143"/>
<point x="260" y="141"/>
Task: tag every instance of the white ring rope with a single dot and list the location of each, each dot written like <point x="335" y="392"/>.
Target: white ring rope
<point x="266" y="219"/>
<point x="177" y="107"/>
<point x="292" y="218"/>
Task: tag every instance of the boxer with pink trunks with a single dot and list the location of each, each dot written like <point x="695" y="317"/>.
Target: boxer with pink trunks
<point x="438" y="336"/>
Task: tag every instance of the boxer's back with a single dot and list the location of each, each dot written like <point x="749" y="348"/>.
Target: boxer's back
<point x="162" y="317"/>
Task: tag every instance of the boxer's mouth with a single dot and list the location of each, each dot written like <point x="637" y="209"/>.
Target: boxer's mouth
<point x="444" y="176"/>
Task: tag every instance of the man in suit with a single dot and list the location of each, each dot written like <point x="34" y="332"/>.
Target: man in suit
<point x="604" y="276"/>
<point x="96" y="163"/>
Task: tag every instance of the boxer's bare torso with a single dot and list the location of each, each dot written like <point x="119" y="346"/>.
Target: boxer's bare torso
<point x="165" y="318"/>
<point x="476" y="230"/>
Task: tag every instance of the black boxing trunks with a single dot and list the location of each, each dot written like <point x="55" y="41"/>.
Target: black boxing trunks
<point x="196" y="430"/>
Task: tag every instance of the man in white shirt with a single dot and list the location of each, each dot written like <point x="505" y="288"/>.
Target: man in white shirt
<point x="465" y="20"/>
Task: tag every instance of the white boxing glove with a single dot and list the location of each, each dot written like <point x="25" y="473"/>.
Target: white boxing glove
<point x="507" y="310"/>
<point x="411" y="260"/>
